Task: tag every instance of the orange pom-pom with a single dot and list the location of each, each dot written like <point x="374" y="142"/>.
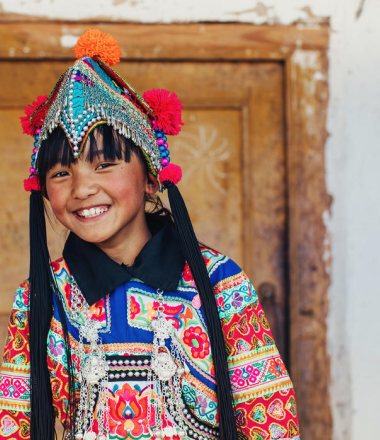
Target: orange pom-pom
<point x="95" y="42"/>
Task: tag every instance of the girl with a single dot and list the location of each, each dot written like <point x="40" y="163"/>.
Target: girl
<point x="137" y="332"/>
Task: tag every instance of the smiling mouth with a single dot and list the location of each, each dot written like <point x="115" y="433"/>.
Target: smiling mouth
<point x="92" y="212"/>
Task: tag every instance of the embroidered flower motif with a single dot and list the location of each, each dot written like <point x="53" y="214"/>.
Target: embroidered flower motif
<point x="55" y="348"/>
<point x="187" y="276"/>
<point x="98" y="311"/>
<point x="277" y="367"/>
<point x="173" y="314"/>
<point x="195" y="338"/>
<point x="135" y="309"/>
<point x="152" y="310"/>
<point x="128" y="412"/>
<point x="237" y="300"/>
<point x="201" y="403"/>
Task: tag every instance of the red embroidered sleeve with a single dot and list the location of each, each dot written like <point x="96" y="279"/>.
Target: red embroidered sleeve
<point x="15" y="372"/>
<point x="263" y="396"/>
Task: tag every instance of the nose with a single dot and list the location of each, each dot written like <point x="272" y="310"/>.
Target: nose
<point x="84" y="186"/>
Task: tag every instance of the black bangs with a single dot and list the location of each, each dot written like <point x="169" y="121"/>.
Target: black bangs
<point x="56" y="149"/>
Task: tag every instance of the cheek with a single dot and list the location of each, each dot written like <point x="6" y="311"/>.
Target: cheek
<point x="56" y="201"/>
<point x="133" y="189"/>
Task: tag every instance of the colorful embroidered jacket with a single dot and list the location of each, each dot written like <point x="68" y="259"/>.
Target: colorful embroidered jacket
<point x="263" y="396"/>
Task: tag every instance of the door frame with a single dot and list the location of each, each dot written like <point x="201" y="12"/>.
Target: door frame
<point x="303" y="52"/>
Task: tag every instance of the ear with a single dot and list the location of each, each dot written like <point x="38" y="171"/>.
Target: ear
<point x="152" y="184"/>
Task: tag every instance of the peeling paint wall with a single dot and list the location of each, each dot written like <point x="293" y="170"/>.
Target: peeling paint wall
<point x="352" y="158"/>
<point x="167" y="11"/>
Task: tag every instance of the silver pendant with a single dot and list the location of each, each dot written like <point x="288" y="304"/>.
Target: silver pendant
<point x="94" y="369"/>
<point x="162" y="329"/>
<point x="163" y="365"/>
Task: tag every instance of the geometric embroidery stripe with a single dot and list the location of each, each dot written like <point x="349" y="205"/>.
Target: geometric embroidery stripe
<point x="229" y="282"/>
<point x="257" y="371"/>
<point x="22" y="370"/>
<point x="252" y="356"/>
<point x="200" y="386"/>
<point x="14" y="406"/>
<point x="281" y="384"/>
<point x="15" y="388"/>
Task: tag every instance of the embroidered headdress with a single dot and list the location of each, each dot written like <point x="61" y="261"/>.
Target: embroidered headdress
<point x="88" y="94"/>
<point x="91" y="93"/>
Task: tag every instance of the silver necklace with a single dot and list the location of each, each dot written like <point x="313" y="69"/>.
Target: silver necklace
<point x="92" y="375"/>
<point x="167" y="367"/>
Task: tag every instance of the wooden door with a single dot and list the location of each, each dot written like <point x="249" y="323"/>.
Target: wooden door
<point x="245" y="151"/>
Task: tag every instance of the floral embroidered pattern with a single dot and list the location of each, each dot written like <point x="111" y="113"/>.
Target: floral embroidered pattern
<point x="235" y="298"/>
<point x="202" y="402"/>
<point x="128" y="412"/>
<point x="264" y="402"/>
<point x="277" y="367"/>
<point x="135" y="308"/>
<point x="197" y="339"/>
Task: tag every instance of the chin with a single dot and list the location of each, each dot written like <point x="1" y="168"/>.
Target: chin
<point x="93" y="238"/>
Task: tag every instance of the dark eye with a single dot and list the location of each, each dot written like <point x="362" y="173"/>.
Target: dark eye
<point x="104" y="165"/>
<point x="60" y="174"/>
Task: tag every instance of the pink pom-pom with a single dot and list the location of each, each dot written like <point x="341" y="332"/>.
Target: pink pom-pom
<point x="27" y="126"/>
<point x="167" y="110"/>
<point x="172" y="173"/>
<point x="33" y="183"/>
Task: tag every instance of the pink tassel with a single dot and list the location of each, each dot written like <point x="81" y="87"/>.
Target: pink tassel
<point x="33" y="183"/>
<point x="167" y="110"/>
<point x="172" y="173"/>
<point x="27" y="126"/>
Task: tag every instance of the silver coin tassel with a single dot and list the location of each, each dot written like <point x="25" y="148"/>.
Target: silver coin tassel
<point x="93" y="374"/>
<point x="167" y="367"/>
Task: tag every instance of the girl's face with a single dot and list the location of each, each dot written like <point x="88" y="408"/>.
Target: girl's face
<point x="102" y="201"/>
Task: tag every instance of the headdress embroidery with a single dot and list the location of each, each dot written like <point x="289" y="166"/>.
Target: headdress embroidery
<point x="90" y="93"/>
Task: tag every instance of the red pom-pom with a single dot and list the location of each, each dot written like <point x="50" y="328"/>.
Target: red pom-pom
<point x="28" y="126"/>
<point x="167" y="110"/>
<point x="33" y="183"/>
<point x="95" y="42"/>
<point x="172" y="173"/>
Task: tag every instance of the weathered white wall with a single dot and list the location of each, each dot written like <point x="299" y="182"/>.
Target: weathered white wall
<point x="352" y="161"/>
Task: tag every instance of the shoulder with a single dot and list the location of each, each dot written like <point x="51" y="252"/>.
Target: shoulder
<point x="21" y="297"/>
<point x="232" y="288"/>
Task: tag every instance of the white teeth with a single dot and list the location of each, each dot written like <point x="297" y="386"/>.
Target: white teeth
<point x="92" y="212"/>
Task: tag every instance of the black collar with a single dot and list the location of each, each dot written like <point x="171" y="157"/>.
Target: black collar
<point x="159" y="264"/>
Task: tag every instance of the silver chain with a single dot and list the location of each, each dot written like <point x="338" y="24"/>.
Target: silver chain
<point x="93" y="373"/>
<point x="164" y="376"/>
<point x="167" y="369"/>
